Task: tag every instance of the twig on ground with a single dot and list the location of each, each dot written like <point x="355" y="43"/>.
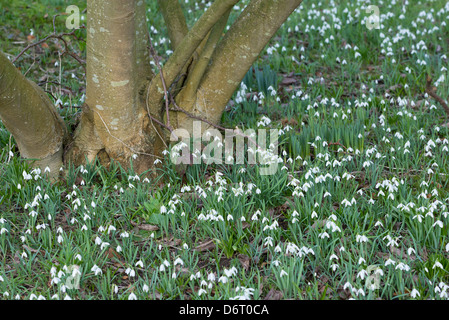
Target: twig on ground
<point x="431" y="92"/>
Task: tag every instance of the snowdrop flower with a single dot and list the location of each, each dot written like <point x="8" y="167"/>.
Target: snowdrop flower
<point x="98" y="241"/>
<point x="124" y="235"/>
<point x="139" y="264"/>
<point x="361" y="238"/>
<point x="268" y="241"/>
<point x="323" y="235"/>
<point x="362" y="274"/>
<point x="201" y="292"/>
<point x="439" y="223"/>
<point x="437" y="264"/>
<point x="230" y="272"/>
<point x="333" y="256"/>
<point x="402" y="266"/>
<point x="223" y="279"/>
<point x="178" y="261"/>
<point x="389" y="261"/>
<point x="104" y="245"/>
<point x="414" y="293"/>
<point x="96" y="270"/>
<point x="211" y="277"/>
<point x="130" y="272"/>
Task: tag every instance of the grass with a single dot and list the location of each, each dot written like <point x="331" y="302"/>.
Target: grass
<point x="358" y="208"/>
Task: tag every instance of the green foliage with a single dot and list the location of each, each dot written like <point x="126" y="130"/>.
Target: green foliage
<point x="362" y="180"/>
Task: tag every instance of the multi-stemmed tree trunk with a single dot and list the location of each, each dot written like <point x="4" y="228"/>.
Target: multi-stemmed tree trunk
<point x="125" y="112"/>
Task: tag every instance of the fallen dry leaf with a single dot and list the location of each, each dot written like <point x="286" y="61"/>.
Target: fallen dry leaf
<point x="113" y="254"/>
<point x="244" y="260"/>
<point x="16" y="258"/>
<point x="170" y="242"/>
<point x="288" y="81"/>
<point x="274" y="295"/>
<point x="205" y="246"/>
<point x="318" y="224"/>
<point x="29" y="248"/>
<point x="146" y="227"/>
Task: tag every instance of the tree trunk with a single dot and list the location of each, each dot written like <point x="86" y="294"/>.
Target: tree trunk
<point x="114" y="122"/>
<point x="125" y="112"/>
<point x="30" y="116"/>
<point x="233" y="57"/>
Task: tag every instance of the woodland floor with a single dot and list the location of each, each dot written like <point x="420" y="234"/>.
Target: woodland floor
<point x="358" y="208"/>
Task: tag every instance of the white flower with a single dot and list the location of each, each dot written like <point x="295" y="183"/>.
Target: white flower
<point x="333" y="256"/>
<point x="139" y="264"/>
<point x="178" y="261"/>
<point x="402" y="266"/>
<point x="230" y="272"/>
<point x="111" y="228"/>
<point x="104" y="245"/>
<point x="132" y="296"/>
<point x="124" y="235"/>
<point x="362" y="274"/>
<point x="361" y="238"/>
<point x="415" y="293"/>
<point x="96" y="270"/>
<point x="130" y="272"/>
<point x="389" y="261"/>
<point x="323" y="235"/>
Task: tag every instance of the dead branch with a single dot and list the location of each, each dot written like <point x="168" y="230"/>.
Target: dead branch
<point x="59" y="36"/>
<point x="156" y="60"/>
